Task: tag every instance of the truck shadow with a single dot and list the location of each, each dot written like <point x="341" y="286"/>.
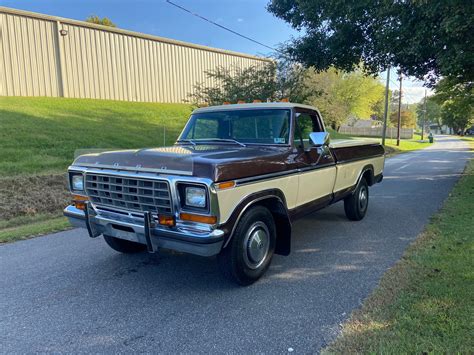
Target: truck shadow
<point x="169" y="271"/>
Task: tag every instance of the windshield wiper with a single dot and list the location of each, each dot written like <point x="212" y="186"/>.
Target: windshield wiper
<point x="187" y="141"/>
<point x="230" y="140"/>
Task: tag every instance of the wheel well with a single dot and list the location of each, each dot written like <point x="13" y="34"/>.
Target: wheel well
<point x="282" y="223"/>
<point x="368" y="174"/>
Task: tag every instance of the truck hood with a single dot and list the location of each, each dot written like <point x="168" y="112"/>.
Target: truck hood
<point x="216" y="162"/>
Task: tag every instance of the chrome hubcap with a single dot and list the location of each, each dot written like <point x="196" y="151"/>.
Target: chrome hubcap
<point x="363" y="197"/>
<point x="256" y="245"/>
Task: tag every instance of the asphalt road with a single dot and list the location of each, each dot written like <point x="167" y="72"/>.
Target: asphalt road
<point x="68" y="293"/>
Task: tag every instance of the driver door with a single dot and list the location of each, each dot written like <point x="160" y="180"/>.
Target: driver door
<point x="317" y="165"/>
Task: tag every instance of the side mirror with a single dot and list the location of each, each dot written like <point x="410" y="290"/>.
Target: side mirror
<point x="319" y="139"/>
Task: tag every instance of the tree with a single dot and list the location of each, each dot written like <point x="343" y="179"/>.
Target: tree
<point x="454" y="116"/>
<point x="100" y="21"/>
<point x="291" y="81"/>
<point x="456" y="101"/>
<point x="270" y="82"/>
<point x="234" y="84"/>
<point x="407" y="119"/>
<point x="394" y="100"/>
<point x="336" y="94"/>
<point x="424" y="38"/>
<point x="433" y="112"/>
<point x="326" y="96"/>
<point x="339" y="94"/>
<point x="378" y="109"/>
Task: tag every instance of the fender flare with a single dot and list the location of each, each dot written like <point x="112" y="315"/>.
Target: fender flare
<point x="279" y="211"/>
<point x="365" y="169"/>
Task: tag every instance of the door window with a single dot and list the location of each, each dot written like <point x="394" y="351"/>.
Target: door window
<point x="306" y="123"/>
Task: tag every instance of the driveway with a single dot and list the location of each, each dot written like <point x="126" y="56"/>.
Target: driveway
<point x="66" y="292"/>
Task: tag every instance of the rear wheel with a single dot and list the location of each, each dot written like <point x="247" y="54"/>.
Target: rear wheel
<point x="249" y="253"/>
<point x="356" y="204"/>
<point x="124" y="246"/>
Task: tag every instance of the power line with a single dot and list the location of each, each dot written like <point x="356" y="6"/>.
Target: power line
<point x="405" y="94"/>
<point x="246" y="37"/>
<point x="223" y="27"/>
<point x="408" y="96"/>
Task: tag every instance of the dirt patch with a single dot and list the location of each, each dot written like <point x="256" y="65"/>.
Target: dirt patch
<point x="30" y="195"/>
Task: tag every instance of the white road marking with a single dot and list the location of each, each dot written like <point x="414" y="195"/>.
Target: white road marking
<point x="402" y="167"/>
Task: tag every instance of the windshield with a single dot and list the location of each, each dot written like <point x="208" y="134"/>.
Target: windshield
<point x="239" y="126"/>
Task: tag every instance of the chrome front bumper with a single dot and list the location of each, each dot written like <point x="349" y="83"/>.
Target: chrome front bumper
<point x="184" y="237"/>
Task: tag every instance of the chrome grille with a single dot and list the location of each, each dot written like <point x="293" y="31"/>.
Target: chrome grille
<point x="129" y="193"/>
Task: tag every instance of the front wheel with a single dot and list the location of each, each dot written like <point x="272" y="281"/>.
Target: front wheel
<point x="356" y="204"/>
<point x="249" y="253"/>
<point x="124" y="246"/>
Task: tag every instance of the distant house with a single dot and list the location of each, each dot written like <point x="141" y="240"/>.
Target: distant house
<point x="444" y="129"/>
<point x="362" y="123"/>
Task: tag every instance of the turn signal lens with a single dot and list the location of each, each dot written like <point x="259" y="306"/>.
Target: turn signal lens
<point x="79" y="201"/>
<point x="285" y="100"/>
<point x="225" y="185"/>
<point x="226" y="103"/>
<point x="198" y="218"/>
<point x="256" y="101"/>
<point x="241" y="102"/>
<point x="165" y="220"/>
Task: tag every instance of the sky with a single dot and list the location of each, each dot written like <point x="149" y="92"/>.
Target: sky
<point x="412" y="89"/>
<point x="156" y="17"/>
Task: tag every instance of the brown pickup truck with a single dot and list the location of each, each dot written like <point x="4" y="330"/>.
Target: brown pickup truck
<point x="231" y="186"/>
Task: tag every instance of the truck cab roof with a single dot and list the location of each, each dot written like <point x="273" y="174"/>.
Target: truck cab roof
<point x="263" y="105"/>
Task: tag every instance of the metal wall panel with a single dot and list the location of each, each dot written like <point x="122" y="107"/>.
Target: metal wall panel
<point x="29" y="65"/>
<point x="93" y="61"/>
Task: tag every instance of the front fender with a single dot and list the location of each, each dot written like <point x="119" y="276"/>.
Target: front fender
<point x="275" y="201"/>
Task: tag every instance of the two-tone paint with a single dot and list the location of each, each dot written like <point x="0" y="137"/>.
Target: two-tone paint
<point x="289" y="180"/>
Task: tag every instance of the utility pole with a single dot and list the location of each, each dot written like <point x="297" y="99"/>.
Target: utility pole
<point x="424" y="118"/>
<point x="385" y="112"/>
<point x="399" y="110"/>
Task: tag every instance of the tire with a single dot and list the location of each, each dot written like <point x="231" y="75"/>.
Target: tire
<point x="357" y="203"/>
<point x="250" y="252"/>
<point x="124" y="246"/>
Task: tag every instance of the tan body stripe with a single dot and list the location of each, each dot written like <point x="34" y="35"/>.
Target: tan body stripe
<point x="299" y="188"/>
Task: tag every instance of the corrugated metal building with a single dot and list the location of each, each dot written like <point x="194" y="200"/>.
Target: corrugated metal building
<point x="43" y="55"/>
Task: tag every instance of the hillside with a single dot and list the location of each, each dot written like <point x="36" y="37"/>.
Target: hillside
<point x="40" y="135"/>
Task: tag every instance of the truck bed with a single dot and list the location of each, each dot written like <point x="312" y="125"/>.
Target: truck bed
<point x="342" y="143"/>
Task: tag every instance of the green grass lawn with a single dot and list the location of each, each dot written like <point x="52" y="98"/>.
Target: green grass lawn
<point x="406" y="145"/>
<point x="39" y="135"/>
<point x="25" y="227"/>
<point x="336" y="135"/>
<point x="425" y="303"/>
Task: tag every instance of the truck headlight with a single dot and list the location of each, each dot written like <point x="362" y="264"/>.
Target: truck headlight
<point x="77" y="182"/>
<point x="195" y="197"/>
